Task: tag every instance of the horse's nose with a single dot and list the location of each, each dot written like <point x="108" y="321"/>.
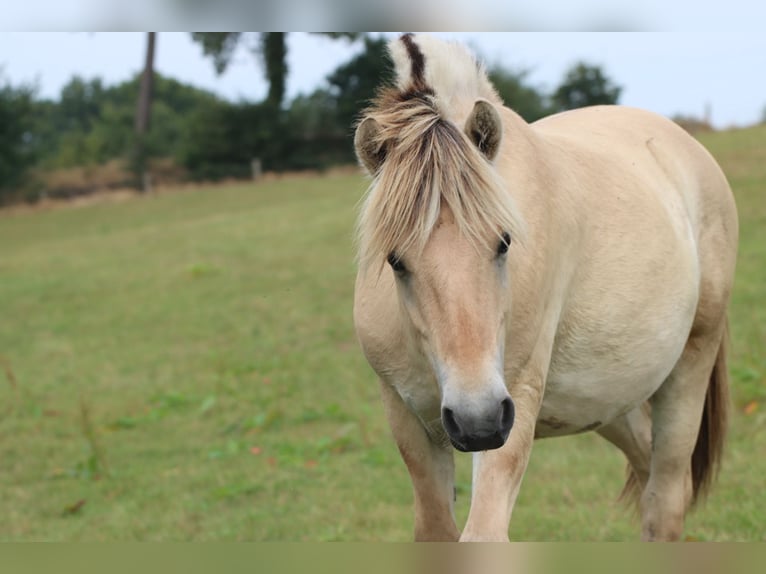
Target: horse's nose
<point x="481" y="431"/>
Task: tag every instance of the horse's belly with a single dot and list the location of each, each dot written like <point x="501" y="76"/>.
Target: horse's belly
<point x="614" y="349"/>
<point x="573" y="405"/>
<point x="600" y="378"/>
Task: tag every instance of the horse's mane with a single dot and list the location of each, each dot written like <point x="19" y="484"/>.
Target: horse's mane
<point x="429" y="161"/>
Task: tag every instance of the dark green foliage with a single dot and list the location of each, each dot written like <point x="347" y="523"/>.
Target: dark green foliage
<point x="323" y="122"/>
<point x="17" y="119"/>
<point x="586" y="85"/>
<point x="201" y="136"/>
<point x="529" y="102"/>
<point x="219" y="46"/>
<point x="354" y="83"/>
<point x="93" y="124"/>
<point x="80" y="103"/>
<point x="222" y="139"/>
<point x="84" y="125"/>
<point x="312" y="133"/>
<point x="319" y="138"/>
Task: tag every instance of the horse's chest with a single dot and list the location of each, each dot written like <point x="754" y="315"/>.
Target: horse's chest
<point x="419" y="390"/>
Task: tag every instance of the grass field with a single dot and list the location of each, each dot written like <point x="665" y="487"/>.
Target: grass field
<point x="183" y="367"/>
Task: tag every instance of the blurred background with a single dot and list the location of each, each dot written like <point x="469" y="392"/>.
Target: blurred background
<point x="95" y="111"/>
<point x="177" y="355"/>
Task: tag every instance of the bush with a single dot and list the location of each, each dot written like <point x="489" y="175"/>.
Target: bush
<point x="692" y="124"/>
<point x="222" y="140"/>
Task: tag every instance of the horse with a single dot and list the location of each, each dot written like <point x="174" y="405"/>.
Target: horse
<point x="520" y="281"/>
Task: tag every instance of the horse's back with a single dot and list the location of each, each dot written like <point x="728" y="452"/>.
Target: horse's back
<point x="638" y="162"/>
<point x="638" y="143"/>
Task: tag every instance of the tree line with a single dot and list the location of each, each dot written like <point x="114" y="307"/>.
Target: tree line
<point x="197" y="135"/>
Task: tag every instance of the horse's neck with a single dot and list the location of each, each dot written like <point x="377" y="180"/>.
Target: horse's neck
<point x="549" y="218"/>
<point x="520" y="163"/>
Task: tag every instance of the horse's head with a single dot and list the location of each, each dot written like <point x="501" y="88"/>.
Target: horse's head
<point x="439" y="215"/>
<point x="455" y="299"/>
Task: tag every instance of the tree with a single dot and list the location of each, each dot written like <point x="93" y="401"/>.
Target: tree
<point x="17" y="115"/>
<point x="274" y="52"/>
<point x="143" y="113"/>
<point x="80" y="103"/>
<point x="585" y="85"/>
<point x="144" y="107"/>
<point x="269" y="47"/>
<point x="527" y="101"/>
<point x="353" y="84"/>
<point x="92" y="124"/>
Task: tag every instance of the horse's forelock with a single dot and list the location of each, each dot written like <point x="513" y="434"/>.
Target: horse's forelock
<point x="429" y="161"/>
<point x="428" y="158"/>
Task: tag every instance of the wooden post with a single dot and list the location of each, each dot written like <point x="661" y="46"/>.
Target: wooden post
<point x="147" y="182"/>
<point x="257" y="168"/>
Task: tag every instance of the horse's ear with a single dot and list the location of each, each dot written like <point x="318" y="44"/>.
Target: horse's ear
<point x="368" y="146"/>
<point x="485" y="128"/>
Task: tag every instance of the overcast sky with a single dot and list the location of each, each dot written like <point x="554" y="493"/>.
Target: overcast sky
<point x="670" y="73"/>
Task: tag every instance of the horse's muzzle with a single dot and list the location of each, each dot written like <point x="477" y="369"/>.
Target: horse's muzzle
<point x="471" y="434"/>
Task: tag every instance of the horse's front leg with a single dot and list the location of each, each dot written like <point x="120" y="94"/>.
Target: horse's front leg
<point x="497" y="473"/>
<point x="431" y="467"/>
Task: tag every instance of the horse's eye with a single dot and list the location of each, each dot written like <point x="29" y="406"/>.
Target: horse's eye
<point x="505" y="242"/>
<point x="396" y="263"/>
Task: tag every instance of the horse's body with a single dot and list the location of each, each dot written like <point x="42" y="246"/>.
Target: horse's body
<point x="612" y="295"/>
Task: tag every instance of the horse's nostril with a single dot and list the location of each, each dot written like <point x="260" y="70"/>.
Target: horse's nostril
<point x="450" y="423"/>
<point x="507" y="413"/>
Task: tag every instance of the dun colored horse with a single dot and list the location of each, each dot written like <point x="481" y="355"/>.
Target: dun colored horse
<point x="520" y="280"/>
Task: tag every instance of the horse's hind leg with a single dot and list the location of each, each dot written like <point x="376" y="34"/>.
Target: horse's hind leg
<point x="632" y="434"/>
<point x="677" y="412"/>
<point x="431" y="467"/>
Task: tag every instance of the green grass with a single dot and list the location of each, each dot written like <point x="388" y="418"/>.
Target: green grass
<point x="183" y="367"/>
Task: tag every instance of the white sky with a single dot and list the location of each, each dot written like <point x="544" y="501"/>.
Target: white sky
<point x="670" y="73"/>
